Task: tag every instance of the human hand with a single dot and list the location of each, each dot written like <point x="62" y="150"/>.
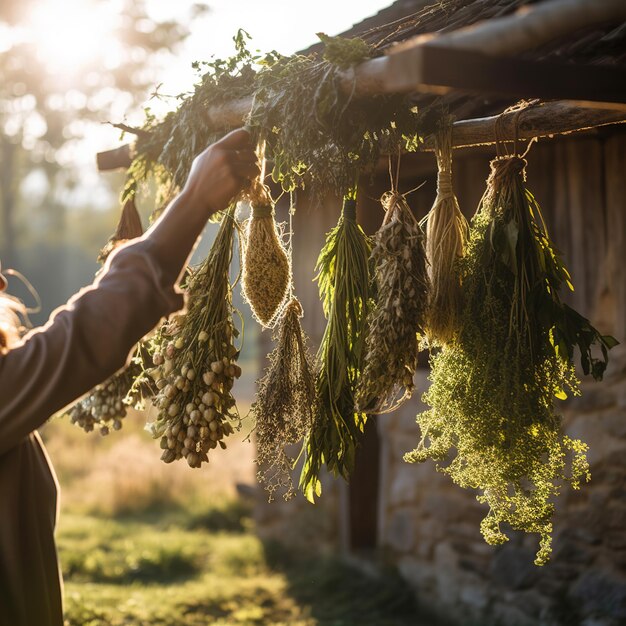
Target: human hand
<point x="221" y="171"/>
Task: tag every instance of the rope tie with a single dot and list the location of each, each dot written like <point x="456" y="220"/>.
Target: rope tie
<point x="349" y="209"/>
<point x="507" y="167"/>
<point x="444" y="183"/>
<point x="264" y="210"/>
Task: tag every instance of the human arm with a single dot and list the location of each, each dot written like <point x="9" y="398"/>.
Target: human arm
<point x="89" y="339"/>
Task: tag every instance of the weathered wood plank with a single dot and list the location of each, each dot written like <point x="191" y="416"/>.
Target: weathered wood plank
<point x="615" y="177"/>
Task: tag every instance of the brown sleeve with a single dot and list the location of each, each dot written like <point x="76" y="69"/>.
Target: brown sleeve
<point x="87" y="340"/>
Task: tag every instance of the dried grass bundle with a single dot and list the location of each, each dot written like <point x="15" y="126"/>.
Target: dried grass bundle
<point x="397" y="321"/>
<point x="447" y="232"/>
<point x="285" y="401"/>
<point x="343" y="279"/>
<point x="266" y="271"/>
<point x="128" y="227"/>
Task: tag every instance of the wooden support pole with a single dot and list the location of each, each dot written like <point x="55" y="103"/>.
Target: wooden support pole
<point x="114" y="159"/>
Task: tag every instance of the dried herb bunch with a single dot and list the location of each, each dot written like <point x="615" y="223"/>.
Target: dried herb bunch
<point x="447" y="231"/>
<point x="397" y="321"/>
<point x="492" y="417"/>
<point x="165" y="148"/>
<point x="343" y="280"/>
<point x="106" y="405"/>
<point x="319" y="133"/>
<point x="128" y="227"/>
<point x="266" y="273"/>
<point x="284" y="405"/>
<point x="195" y="361"/>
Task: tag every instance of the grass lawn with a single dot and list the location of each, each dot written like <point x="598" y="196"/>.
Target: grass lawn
<point x="210" y="568"/>
<point x="142" y="543"/>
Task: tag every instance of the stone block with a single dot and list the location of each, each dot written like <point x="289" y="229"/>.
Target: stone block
<point x="513" y="567"/>
<point x="405" y="485"/>
<point x="510" y="615"/>
<point x="615" y="422"/>
<point x="475" y="596"/>
<point x="447" y="507"/>
<point x="419" y="574"/>
<point x="600" y="594"/>
<point x="593" y="432"/>
<point x="400" y="530"/>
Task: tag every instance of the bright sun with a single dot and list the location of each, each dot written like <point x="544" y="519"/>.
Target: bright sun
<point x="70" y="34"/>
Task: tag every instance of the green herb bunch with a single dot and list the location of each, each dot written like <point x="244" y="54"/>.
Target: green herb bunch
<point x="165" y="148"/>
<point x="195" y="356"/>
<point x="492" y="425"/>
<point x="397" y="321"/>
<point x="319" y="133"/>
<point x="343" y="280"/>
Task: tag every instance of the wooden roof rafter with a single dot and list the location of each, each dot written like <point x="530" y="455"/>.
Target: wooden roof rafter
<point x="469" y="59"/>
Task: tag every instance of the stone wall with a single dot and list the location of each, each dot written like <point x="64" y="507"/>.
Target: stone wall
<point x="431" y="529"/>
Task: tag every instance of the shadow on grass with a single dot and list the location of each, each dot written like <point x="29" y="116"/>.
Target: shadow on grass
<point x="228" y="515"/>
<point x="338" y="594"/>
<point x="157" y="566"/>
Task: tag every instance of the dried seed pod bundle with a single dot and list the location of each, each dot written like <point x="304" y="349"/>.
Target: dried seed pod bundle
<point x="343" y="279"/>
<point x="493" y="418"/>
<point x="106" y="404"/>
<point x="266" y="271"/>
<point x="194" y="359"/>
<point x="397" y="321"/>
<point x="447" y="231"/>
<point x="285" y="400"/>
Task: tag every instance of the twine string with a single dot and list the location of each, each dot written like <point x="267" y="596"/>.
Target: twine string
<point x="443" y="151"/>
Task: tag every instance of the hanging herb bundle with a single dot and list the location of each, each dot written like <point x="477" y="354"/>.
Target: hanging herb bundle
<point x="195" y="361"/>
<point x="343" y="280"/>
<point x="447" y="231"/>
<point x="128" y="227"/>
<point x="492" y="417"/>
<point x="165" y="148"/>
<point x="285" y="402"/>
<point x="397" y="321"/>
<point x="107" y="404"/>
<point x="266" y="272"/>
<point x="319" y="133"/>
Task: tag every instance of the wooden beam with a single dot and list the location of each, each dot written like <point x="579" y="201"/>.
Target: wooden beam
<point x="543" y="120"/>
<point x="114" y="159"/>
<point x="435" y="69"/>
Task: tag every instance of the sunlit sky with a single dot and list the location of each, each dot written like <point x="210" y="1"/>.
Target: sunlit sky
<point x="283" y="25"/>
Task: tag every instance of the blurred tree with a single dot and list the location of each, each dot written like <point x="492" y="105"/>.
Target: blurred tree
<point x="44" y="108"/>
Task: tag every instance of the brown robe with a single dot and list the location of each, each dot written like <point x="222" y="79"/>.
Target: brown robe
<point x="84" y="343"/>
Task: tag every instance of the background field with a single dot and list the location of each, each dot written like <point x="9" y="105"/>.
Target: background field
<point x="142" y="542"/>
